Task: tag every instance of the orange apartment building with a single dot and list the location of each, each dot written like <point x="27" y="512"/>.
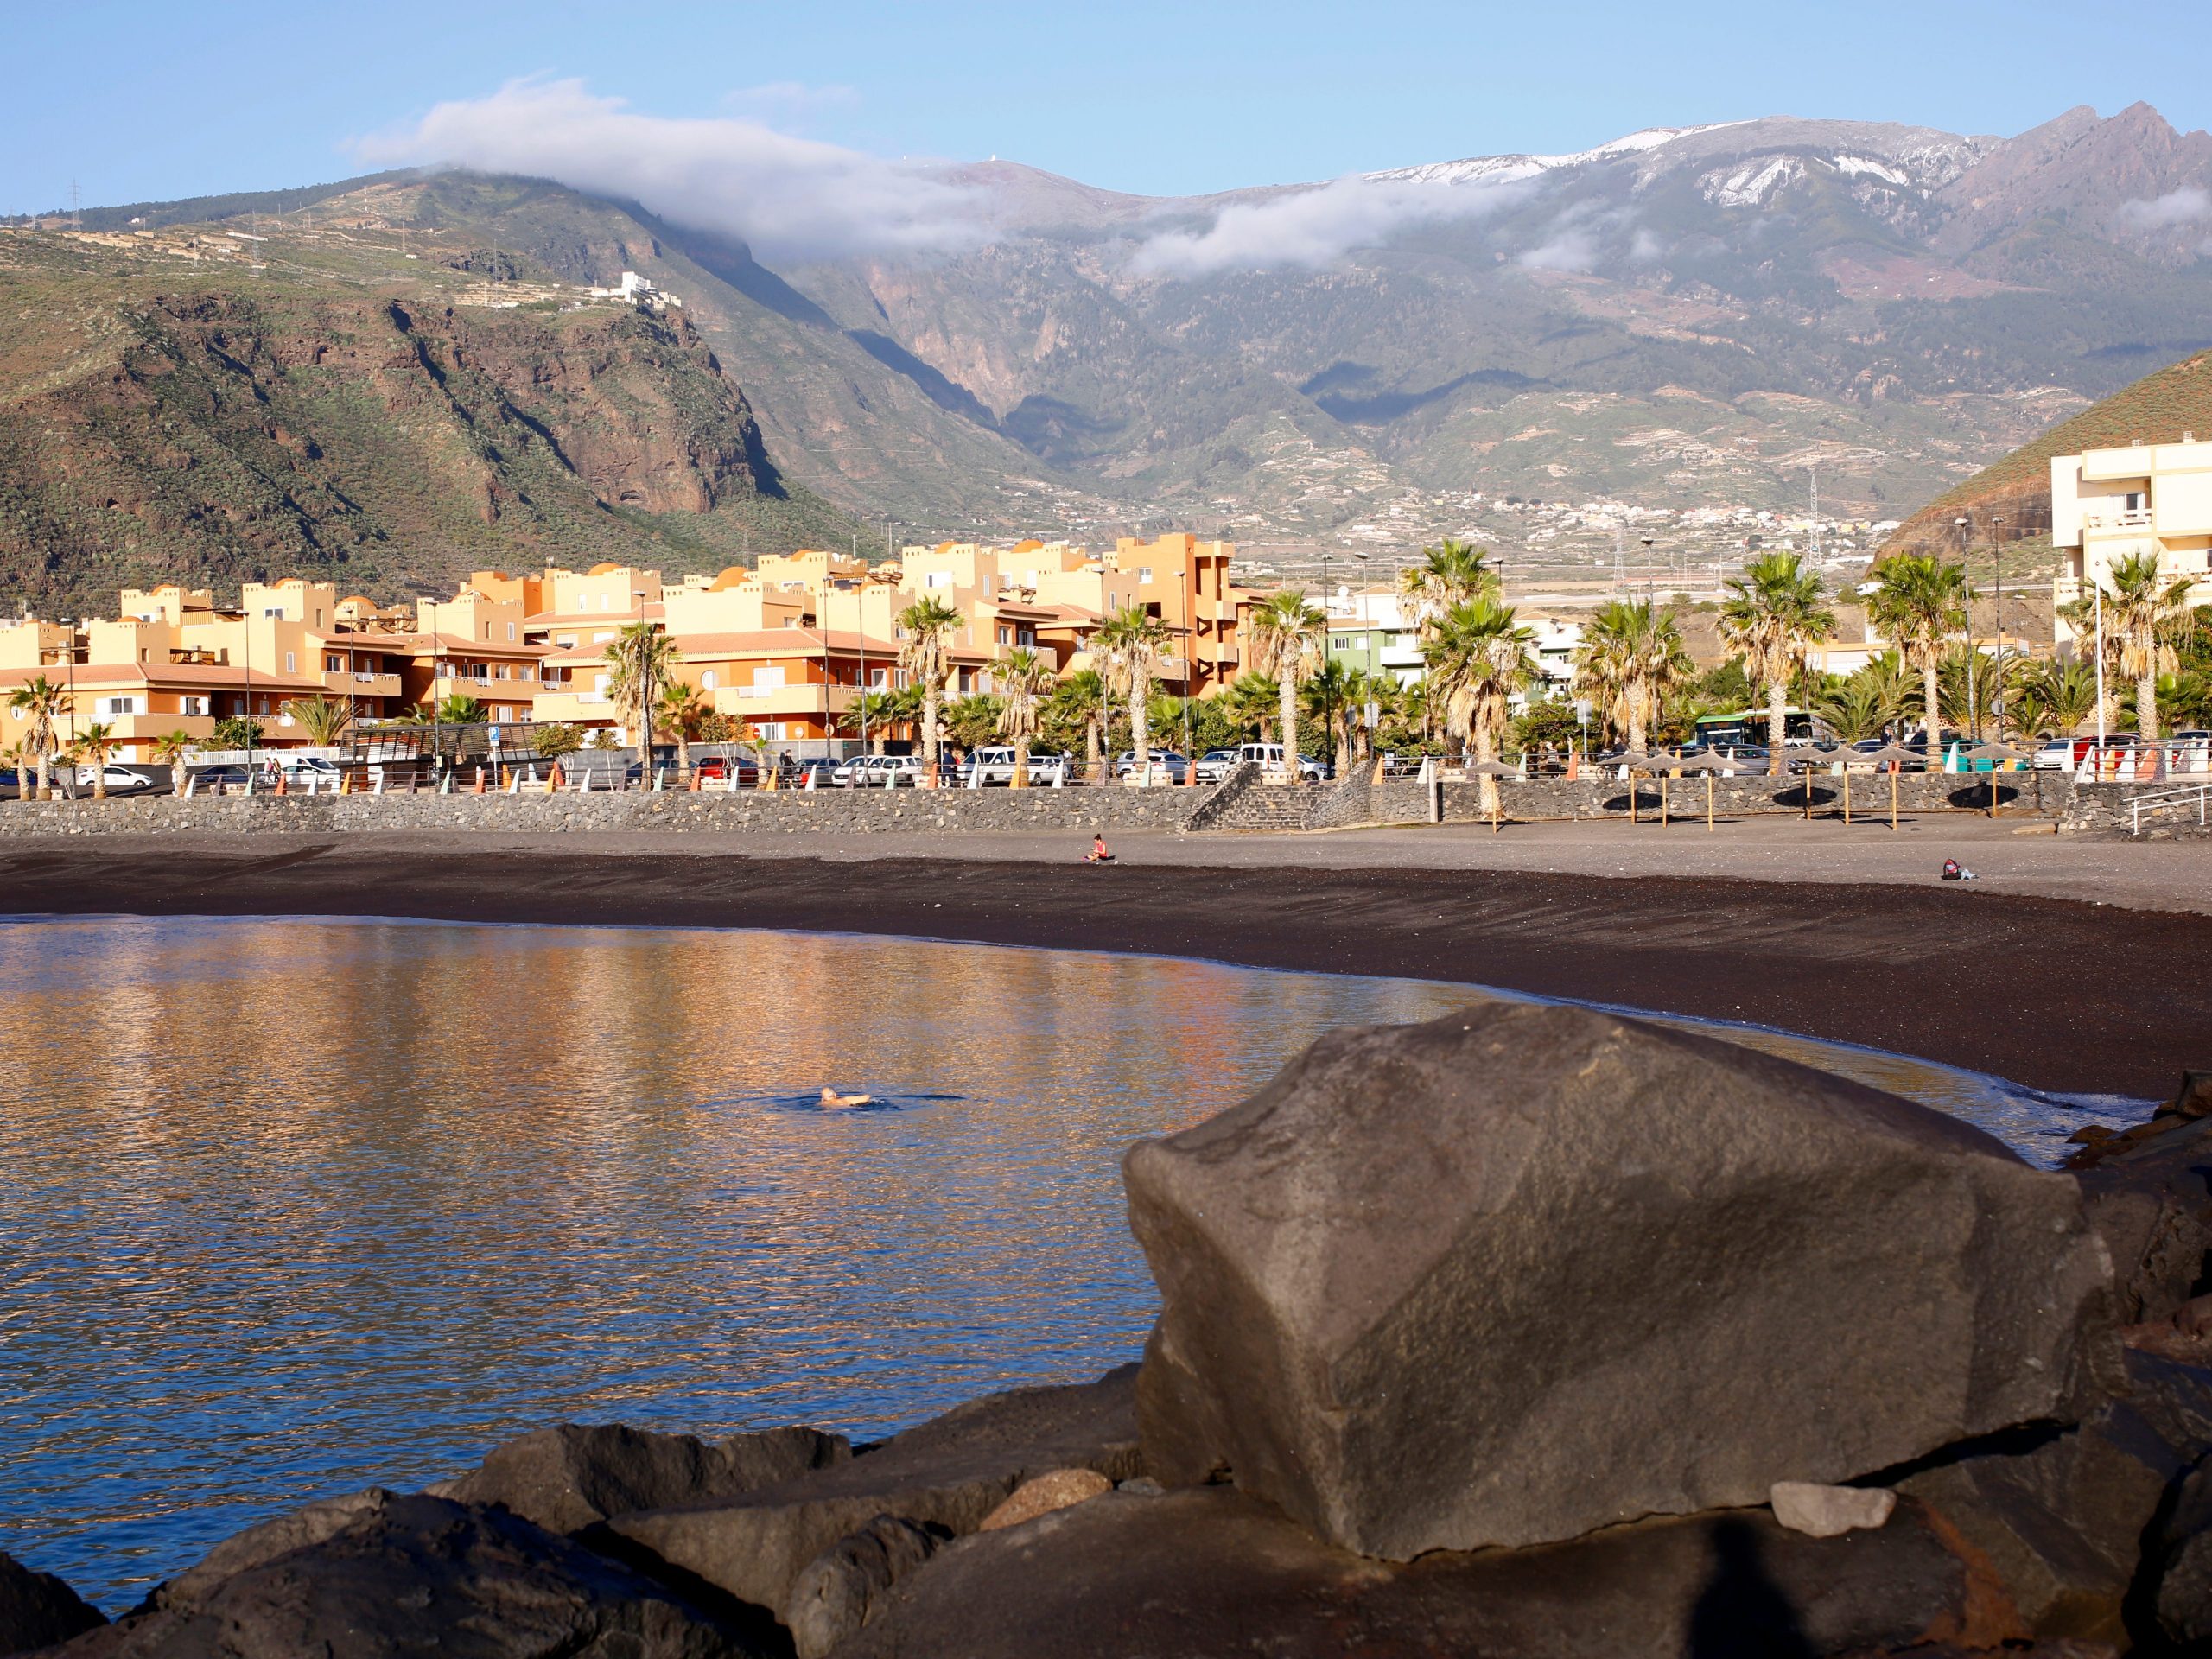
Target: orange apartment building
<point x="789" y="644"/>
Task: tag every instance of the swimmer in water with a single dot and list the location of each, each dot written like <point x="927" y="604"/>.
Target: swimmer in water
<point x="834" y="1101"/>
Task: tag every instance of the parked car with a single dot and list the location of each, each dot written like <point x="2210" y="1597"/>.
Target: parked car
<point x="720" y="769"/>
<point x="1165" y="763"/>
<point x="997" y="767"/>
<point x="1223" y="761"/>
<point x="312" y="771"/>
<point x="793" y="774"/>
<point x="2060" y="753"/>
<point x="878" y="772"/>
<point x="125" y="780"/>
<point x="227" y="779"/>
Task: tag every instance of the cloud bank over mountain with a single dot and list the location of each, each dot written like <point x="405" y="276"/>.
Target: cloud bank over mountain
<point x="1315" y="227"/>
<point x="789" y="197"/>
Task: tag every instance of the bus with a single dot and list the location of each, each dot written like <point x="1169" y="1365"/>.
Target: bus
<point x="1748" y="726"/>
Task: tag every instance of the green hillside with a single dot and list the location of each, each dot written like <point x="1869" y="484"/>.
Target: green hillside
<point x="2157" y="408"/>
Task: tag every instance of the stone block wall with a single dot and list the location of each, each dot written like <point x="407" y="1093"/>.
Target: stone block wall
<point x="1070" y="811"/>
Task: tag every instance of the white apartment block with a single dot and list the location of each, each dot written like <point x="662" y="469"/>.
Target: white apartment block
<point x="2110" y="504"/>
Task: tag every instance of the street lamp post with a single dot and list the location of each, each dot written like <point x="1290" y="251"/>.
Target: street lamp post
<point x="1996" y="573"/>
<point x="1966" y="564"/>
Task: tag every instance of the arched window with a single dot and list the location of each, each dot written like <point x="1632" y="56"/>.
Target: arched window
<point x="707" y="681"/>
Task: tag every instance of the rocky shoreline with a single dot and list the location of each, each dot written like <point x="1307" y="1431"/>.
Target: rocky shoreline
<point x="1532" y="1332"/>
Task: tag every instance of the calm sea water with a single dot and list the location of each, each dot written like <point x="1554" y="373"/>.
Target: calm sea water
<point x="289" y="1207"/>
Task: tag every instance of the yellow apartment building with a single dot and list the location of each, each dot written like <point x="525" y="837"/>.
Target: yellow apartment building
<point x="2110" y="504"/>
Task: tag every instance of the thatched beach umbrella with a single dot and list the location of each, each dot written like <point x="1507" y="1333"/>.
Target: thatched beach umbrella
<point x="1994" y="753"/>
<point x="1494" y="769"/>
<point x="1708" y="763"/>
<point x="1894" y="757"/>
<point x="1630" y="761"/>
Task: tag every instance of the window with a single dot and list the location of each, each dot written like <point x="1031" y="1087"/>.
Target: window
<point x="1145" y="574"/>
<point x="122" y="705"/>
<point x="192" y="705"/>
<point x="333" y="664"/>
<point x="707" y="681"/>
<point x="1005" y="636"/>
<point x="291" y="661"/>
<point x="878" y="677"/>
<point x="526" y="671"/>
<point x="274" y="610"/>
<point x="511" y="630"/>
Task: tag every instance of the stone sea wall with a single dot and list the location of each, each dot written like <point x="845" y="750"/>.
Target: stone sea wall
<point x="1402" y="800"/>
<point x="838" y="811"/>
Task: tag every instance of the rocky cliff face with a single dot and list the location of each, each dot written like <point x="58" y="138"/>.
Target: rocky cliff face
<point x="223" y="430"/>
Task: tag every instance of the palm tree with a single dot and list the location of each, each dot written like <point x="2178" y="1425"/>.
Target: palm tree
<point x="94" y="745"/>
<point x="1288" y="634"/>
<point x="1253" y="702"/>
<point x="1023" y="677"/>
<point x="682" y="710"/>
<point x="1449" y="573"/>
<point x="1632" y="658"/>
<point x="1773" y="612"/>
<point x="1859" y="708"/>
<point x="323" y="719"/>
<point x="927" y="625"/>
<point x="2145" y="615"/>
<point x="1082" y="695"/>
<point x="1971" y="684"/>
<point x="875" y="711"/>
<point x="42" y="702"/>
<point x="1333" y="696"/>
<point x="1130" y="642"/>
<point x="1477" y="657"/>
<point x="170" y="749"/>
<point x="644" y="661"/>
<point x="2055" y="698"/>
<point x="1921" y="604"/>
<point x="461" y="709"/>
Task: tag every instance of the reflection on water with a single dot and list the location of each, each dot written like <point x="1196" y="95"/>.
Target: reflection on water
<point x="297" y="1207"/>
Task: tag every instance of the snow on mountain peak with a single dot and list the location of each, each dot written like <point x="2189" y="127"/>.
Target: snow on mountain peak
<point x="1504" y="170"/>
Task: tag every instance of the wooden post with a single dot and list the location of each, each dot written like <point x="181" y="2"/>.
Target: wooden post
<point x="1894" y="765"/>
<point x="1846" y="793"/>
<point x="1662" y="800"/>
<point x="1708" y="803"/>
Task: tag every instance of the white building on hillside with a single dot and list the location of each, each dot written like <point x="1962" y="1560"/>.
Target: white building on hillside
<point x="2110" y="504"/>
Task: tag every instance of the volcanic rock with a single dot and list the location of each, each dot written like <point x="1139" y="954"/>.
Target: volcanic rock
<point x="948" y="1472"/>
<point x="38" y="1609"/>
<point x="1212" y="1570"/>
<point x="835" y="1592"/>
<point x="2148" y="1192"/>
<point x="2182" y="1600"/>
<point x="422" y="1575"/>
<point x="1529" y="1271"/>
<point x="2061" y="1518"/>
<point x="566" y="1479"/>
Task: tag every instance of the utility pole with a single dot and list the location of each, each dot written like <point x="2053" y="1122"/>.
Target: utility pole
<point x="1815" y="471"/>
<point x="76" y="219"/>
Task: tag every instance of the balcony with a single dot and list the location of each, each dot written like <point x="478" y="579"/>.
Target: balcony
<point x="2115" y="523"/>
<point x="769" y="702"/>
<point x="359" y="684"/>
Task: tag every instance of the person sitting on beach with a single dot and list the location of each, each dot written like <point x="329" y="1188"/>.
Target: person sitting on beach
<point x="1954" y="871"/>
<point x="1098" y="855"/>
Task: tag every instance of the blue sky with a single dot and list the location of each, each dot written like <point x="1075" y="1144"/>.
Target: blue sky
<point x="148" y="101"/>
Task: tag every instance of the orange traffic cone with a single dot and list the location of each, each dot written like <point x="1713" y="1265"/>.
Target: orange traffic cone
<point x="695" y="780"/>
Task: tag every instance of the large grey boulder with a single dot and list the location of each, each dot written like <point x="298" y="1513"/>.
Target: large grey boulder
<point x="946" y="1474"/>
<point x="1210" y="1570"/>
<point x="421" y="1576"/>
<point x="565" y="1478"/>
<point x="1529" y="1271"/>
<point x="38" y="1609"/>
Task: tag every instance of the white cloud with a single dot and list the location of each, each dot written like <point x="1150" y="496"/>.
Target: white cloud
<point x="2183" y="207"/>
<point x="1575" y="240"/>
<point x="1314" y="227"/>
<point x="787" y="196"/>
